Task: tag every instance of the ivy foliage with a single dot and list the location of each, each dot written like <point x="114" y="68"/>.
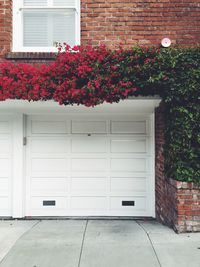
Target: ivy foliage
<point x="93" y="75"/>
<point x="175" y="76"/>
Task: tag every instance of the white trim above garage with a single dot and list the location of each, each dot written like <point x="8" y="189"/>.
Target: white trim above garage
<point x="135" y="105"/>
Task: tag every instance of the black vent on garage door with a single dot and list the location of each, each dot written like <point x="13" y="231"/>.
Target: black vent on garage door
<point x="128" y="203"/>
<point x="49" y="202"/>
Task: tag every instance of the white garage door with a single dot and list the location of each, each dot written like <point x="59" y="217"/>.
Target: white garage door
<point x="5" y="165"/>
<point x="89" y="166"/>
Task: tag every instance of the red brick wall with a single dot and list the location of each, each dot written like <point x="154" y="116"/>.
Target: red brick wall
<point x="5" y="26"/>
<point x="177" y="203"/>
<point x="188" y="206"/>
<point x="129" y="22"/>
<point x="140" y="22"/>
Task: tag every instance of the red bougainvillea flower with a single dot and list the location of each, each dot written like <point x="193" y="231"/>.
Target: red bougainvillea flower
<point x="80" y="75"/>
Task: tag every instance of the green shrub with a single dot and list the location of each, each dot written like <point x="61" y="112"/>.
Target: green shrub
<point x="175" y="76"/>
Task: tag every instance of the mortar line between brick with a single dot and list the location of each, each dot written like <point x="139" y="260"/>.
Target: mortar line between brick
<point x="150" y="243"/>
<point x="83" y="239"/>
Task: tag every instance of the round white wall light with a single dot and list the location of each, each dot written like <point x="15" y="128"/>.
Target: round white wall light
<point x="166" y="42"/>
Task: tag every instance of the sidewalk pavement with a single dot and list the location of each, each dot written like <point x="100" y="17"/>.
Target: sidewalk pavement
<point x="95" y="243"/>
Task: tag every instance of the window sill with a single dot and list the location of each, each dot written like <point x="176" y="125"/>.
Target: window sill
<point x="31" y="55"/>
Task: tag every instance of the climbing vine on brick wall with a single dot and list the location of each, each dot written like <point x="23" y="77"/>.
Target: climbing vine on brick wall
<point x="181" y="94"/>
<point x="93" y="75"/>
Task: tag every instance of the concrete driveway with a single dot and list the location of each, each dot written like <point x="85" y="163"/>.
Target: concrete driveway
<point x="95" y="243"/>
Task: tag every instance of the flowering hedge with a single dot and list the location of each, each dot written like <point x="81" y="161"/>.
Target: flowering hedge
<point x="79" y="75"/>
<point x="93" y="75"/>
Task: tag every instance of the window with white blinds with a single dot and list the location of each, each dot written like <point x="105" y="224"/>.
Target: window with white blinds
<point x="41" y="24"/>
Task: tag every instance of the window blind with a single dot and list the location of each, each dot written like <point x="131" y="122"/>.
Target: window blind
<point x="42" y="28"/>
<point x="35" y="2"/>
<point x="64" y="2"/>
<point x="45" y="2"/>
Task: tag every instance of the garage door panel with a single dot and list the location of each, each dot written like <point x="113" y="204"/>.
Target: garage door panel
<point x="5" y="145"/>
<point x="48" y="174"/>
<point x="5" y="127"/>
<point x="49" y="127"/>
<point x="128" y="185"/>
<point x="116" y="203"/>
<point x="4" y="166"/>
<point x="89" y="145"/>
<point x="4" y="205"/>
<point x="4" y="186"/>
<point x="129" y="164"/>
<point x="128" y="127"/>
<point x="47" y="212"/>
<point x="88" y="175"/>
<point x="130" y="174"/>
<point x="128" y="146"/>
<point x="53" y="164"/>
<point x="89" y="127"/>
<point x="95" y="186"/>
<point x="50" y="156"/>
<point x="89" y="164"/>
<point x="49" y="186"/>
<point x="89" y="203"/>
<point x="50" y="145"/>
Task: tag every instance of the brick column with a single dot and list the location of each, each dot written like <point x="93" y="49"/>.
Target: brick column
<point x="165" y="196"/>
<point x="188" y="206"/>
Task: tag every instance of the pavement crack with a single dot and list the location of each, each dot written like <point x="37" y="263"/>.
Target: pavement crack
<point x="150" y="243"/>
<point x="83" y="239"/>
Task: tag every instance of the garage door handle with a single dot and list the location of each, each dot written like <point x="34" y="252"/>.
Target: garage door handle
<point x="24" y="141"/>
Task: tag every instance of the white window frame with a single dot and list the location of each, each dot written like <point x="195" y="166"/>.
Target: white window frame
<point x="18" y="25"/>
